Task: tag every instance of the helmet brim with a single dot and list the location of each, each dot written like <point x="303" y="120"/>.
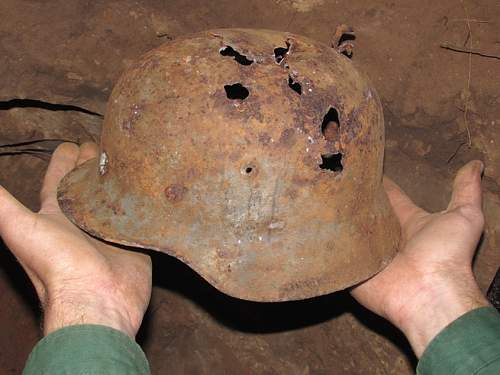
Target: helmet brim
<point x="274" y="272"/>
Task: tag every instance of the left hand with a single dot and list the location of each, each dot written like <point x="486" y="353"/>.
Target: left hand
<point x="79" y="280"/>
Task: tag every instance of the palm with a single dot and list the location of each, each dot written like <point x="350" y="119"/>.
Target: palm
<point x="65" y="263"/>
<point x="435" y="257"/>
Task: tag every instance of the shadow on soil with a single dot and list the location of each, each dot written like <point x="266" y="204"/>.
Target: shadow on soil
<point x="236" y="314"/>
<point x="263" y="318"/>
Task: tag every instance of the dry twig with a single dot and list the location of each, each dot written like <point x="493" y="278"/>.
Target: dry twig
<point x="470" y="20"/>
<point x="452" y="156"/>
<point x="466" y="100"/>
<point x="451" y="47"/>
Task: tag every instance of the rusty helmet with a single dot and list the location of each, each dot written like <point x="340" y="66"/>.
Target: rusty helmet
<point x="253" y="156"/>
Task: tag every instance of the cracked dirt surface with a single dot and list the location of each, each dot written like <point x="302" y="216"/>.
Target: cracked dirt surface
<point x="70" y="53"/>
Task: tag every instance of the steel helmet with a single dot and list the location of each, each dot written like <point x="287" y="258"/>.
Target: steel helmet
<point x="253" y="156"/>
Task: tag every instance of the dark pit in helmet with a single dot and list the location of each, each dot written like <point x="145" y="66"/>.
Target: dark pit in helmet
<point x="294" y="85"/>
<point x="238" y="57"/>
<point x="280" y="53"/>
<point x="248" y="169"/>
<point x="236" y="91"/>
<point x="346" y="37"/>
<point x="332" y="162"/>
<point x="331" y="125"/>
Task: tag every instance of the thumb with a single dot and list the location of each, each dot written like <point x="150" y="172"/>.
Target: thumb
<point x="13" y="215"/>
<point x="467" y="187"/>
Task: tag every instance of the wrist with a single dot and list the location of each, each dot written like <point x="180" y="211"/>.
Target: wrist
<point x="434" y="304"/>
<point x="67" y="311"/>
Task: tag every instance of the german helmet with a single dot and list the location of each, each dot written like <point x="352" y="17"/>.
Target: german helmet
<point x="253" y="156"/>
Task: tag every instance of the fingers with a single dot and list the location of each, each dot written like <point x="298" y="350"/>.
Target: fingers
<point x="88" y="150"/>
<point x="63" y="160"/>
<point x="403" y="206"/>
<point x="15" y="219"/>
<point x="15" y="222"/>
<point x="66" y="157"/>
<point x="467" y="186"/>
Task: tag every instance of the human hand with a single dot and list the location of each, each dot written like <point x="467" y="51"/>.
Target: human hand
<point x="78" y="279"/>
<point x="430" y="282"/>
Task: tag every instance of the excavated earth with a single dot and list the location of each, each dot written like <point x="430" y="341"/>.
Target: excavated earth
<point x="59" y="61"/>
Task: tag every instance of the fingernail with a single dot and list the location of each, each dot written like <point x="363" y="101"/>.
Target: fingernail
<point x="481" y="166"/>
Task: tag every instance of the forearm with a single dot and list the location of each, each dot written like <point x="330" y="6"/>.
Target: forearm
<point x="467" y="346"/>
<point x="87" y="349"/>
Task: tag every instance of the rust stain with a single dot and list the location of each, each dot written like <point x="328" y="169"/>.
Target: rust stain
<point x="132" y="118"/>
<point x="116" y="209"/>
<point x="264" y="138"/>
<point x="174" y="193"/>
<point x="287" y="138"/>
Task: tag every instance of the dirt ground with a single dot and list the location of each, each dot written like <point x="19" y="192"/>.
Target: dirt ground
<point x="59" y="60"/>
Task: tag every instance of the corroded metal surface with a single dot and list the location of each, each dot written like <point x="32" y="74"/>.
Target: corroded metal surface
<point x="253" y="156"/>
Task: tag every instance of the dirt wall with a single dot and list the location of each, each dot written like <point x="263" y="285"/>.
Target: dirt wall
<point x="442" y="108"/>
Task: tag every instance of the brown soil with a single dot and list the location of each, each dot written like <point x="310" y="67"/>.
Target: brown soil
<point x="65" y="55"/>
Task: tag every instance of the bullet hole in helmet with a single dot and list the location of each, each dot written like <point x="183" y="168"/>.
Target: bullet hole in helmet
<point x="347" y="40"/>
<point x="238" y="57"/>
<point x="281" y="52"/>
<point x="247" y="169"/>
<point x="331" y="125"/>
<point x="236" y="91"/>
<point x="347" y="37"/>
<point x="332" y="162"/>
<point x="294" y="85"/>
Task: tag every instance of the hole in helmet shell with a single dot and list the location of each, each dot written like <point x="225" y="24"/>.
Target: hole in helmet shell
<point x="331" y="125"/>
<point x="346" y="38"/>
<point x="236" y="91"/>
<point x="294" y="85"/>
<point x="238" y="57"/>
<point x="281" y="52"/>
<point x="248" y="169"/>
<point x="332" y="162"/>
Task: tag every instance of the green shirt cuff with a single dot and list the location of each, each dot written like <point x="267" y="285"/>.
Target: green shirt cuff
<point x="469" y="345"/>
<point x="87" y="350"/>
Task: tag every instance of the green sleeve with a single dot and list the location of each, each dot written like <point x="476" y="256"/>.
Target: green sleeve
<point x="87" y="350"/>
<point x="468" y="346"/>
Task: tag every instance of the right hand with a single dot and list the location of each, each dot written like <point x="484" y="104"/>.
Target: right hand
<point x="430" y="282"/>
